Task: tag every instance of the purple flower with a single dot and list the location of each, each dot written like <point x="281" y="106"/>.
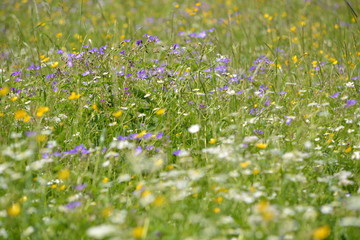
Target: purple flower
<point x="221" y="69"/>
<point x="262" y="59"/>
<point x="350" y="103"/>
<point x="201" y="35"/>
<point x="33" y="67"/>
<point x="177" y="152"/>
<point x="151" y="38"/>
<point x="288" y="120"/>
<point x="223" y="60"/>
<point x="263" y="87"/>
<point x="142" y="74"/>
<point x="159" y="135"/>
<point x="257" y="131"/>
<point x="78" y="149"/>
<point x="281" y="92"/>
<point x="80" y="187"/>
<point x="197" y="35"/>
<point x="256" y="111"/>
<point x="151" y="147"/>
<point x="122" y="138"/>
<point x="147" y="136"/>
<point x="16" y="73"/>
<point x="202" y="106"/>
<point x="50" y="75"/>
<point x="86" y="73"/>
<point x="335" y="95"/>
<point x="101" y="49"/>
<point x="132" y="136"/>
<point x="252" y="68"/>
<point x="73" y="205"/>
<point x="139" y="42"/>
<point x="56" y="154"/>
<point x="31" y="134"/>
<point x="138" y="150"/>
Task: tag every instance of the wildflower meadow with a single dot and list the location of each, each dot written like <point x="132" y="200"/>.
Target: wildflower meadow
<point x="189" y="120"/>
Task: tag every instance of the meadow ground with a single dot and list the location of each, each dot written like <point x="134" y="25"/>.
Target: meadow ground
<point x="157" y="119"/>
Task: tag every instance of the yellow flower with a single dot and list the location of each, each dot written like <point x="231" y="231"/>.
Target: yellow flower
<point x="23" y="199"/>
<point x="140" y="135"/>
<point x="212" y="140"/>
<point x="218" y="200"/>
<point x="64" y="174"/>
<point x="95" y="107"/>
<point x="159" y="162"/>
<point x="159" y="201"/>
<point x="106" y="212"/>
<point x="145" y="193"/>
<point x="333" y="61"/>
<point x="13" y="99"/>
<point x="20" y="114"/>
<point x="59" y="35"/>
<point x="41" y="24"/>
<point x="105" y="180"/>
<point x="216" y="210"/>
<point x="27" y="118"/>
<point x="74" y="95"/>
<point x="265" y="210"/>
<point x="261" y="145"/>
<point x="245" y="164"/>
<point x="40" y="138"/>
<point x="14" y="210"/>
<point x="160" y="111"/>
<point x="41" y="111"/>
<point x="117" y="113"/>
<point x="45" y="60"/>
<point x="293" y="29"/>
<point x="321" y="233"/>
<point x="4" y="91"/>
<point x="347" y="150"/>
<point x="138" y="232"/>
<point x="55" y="64"/>
<point x="295" y="59"/>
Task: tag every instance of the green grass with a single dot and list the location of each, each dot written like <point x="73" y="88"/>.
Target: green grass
<point x="239" y="120"/>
